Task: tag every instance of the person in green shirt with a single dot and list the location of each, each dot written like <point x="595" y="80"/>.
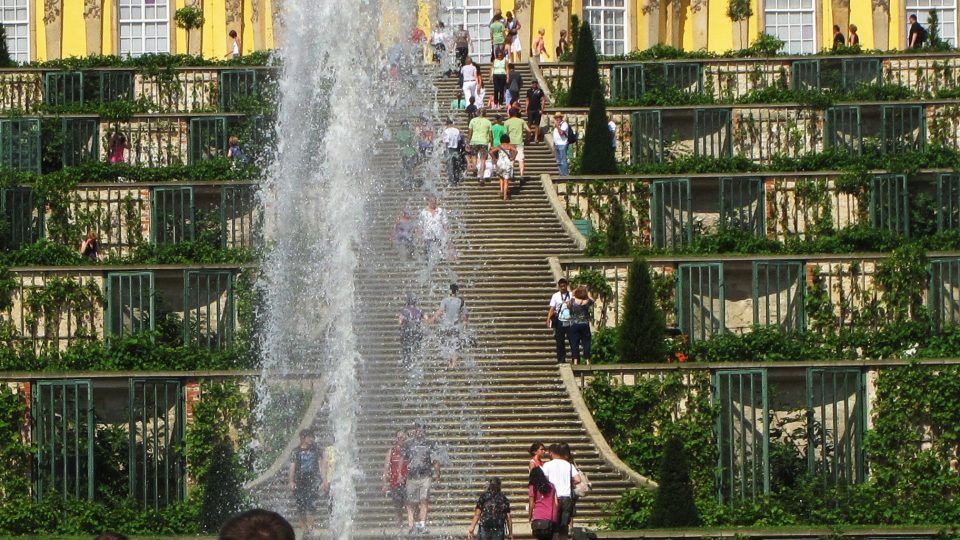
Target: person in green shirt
<point x="408" y="153"/>
<point x="497" y="129"/>
<point x="497" y="34"/>
<point x="515" y="127"/>
<point x="480" y="132"/>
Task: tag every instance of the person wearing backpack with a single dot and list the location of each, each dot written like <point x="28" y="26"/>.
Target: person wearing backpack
<point x="492" y="514"/>
<point x="452" y="317"/>
<point x="305" y="478"/>
<point x="917" y="35"/>
<point x="423" y="467"/>
<point x="563" y="136"/>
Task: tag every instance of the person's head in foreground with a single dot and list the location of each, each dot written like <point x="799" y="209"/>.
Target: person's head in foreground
<point x="256" y="524"/>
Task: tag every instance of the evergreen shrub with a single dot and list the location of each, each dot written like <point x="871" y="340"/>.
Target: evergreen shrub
<point x="586" y="70"/>
<point x="598" y="154"/>
<point x="675" y="505"/>
<point x="642" y="327"/>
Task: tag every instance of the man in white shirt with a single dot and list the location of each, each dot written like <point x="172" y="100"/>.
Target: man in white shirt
<point x="557" y="302"/>
<point x="560" y="142"/>
<point x="562" y="474"/>
<point x="451" y="140"/>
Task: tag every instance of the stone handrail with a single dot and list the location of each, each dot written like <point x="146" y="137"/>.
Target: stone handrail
<point x="561" y="212"/>
<point x="599" y="442"/>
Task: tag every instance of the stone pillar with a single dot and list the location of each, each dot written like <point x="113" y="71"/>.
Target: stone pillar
<point x="841" y="16"/>
<point x="93" y="22"/>
<point x="234" y="20"/>
<point x="652" y="11"/>
<point x="701" y="14"/>
<point x="258" y="17"/>
<point x="881" y="24"/>
<point x="195" y="35"/>
<point x="53" y="23"/>
<point x="523" y="13"/>
<point x="675" y="23"/>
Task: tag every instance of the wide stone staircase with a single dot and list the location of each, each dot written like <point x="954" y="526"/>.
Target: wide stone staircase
<point x="507" y="391"/>
<point x="539" y="157"/>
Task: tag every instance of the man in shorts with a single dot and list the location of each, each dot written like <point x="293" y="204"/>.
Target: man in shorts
<point x="515" y="128"/>
<point x="305" y="478"/>
<point x="480" y="133"/>
<point x="452" y="317"/>
<point x="423" y="467"/>
<point x="536" y="101"/>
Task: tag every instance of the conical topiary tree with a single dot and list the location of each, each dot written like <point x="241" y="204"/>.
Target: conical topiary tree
<point x="5" y="60"/>
<point x="586" y="74"/>
<point x="598" y="155"/>
<point x="642" y="329"/>
<point x="675" y="505"/>
<point x="222" y="488"/>
<point x="618" y="245"/>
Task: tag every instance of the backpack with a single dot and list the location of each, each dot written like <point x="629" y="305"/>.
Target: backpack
<point x="584" y="487"/>
<point x="492" y="513"/>
<point x="309" y="469"/>
<point x="922" y="36"/>
<point x="572" y="137"/>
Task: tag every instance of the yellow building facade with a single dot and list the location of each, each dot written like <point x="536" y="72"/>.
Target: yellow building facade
<point x="40" y="30"/>
<point x="625" y="25"/>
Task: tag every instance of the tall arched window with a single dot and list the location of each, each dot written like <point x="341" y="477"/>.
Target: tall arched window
<point x="15" y="17"/>
<point x="144" y="27"/>
<point x="792" y="21"/>
<point x="608" y="21"/>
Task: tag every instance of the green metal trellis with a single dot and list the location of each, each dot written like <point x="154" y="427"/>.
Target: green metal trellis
<point x="805" y="74"/>
<point x="156" y="430"/>
<point x="626" y="82"/>
<point x="742" y="204"/>
<point x="131" y="303"/>
<point x="172" y="218"/>
<point x="742" y="431"/>
<point x="238" y="216"/>
<point x="646" y="132"/>
<point x="779" y="291"/>
<point x="22" y="221"/>
<point x="236" y="84"/>
<point x="861" y="72"/>
<point x="843" y="128"/>
<point x="904" y="128"/>
<point x="672" y="213"/>
<point x="836" y="421"/>
<point x="948" y="201"/>
<point x="700" y="300"/>
<point x="63" y="88"/>
<point x="113" y="85"/>
<point x="713" y="132"/>
<point x="890" y="203"/>
<point x="209" y="317"/>
<point x="207" y="138"/>
<point x="943" y="295"/>
<point x="81" y="141"/>
<point x="63" y="435"/>
<point x="20" y="146"/>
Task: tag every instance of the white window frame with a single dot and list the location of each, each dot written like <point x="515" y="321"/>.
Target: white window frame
<point x="921" y="8"/>
<point x="141" y="25"/>
<point x="19" y="24"/>
<point x="608" y="46"/>
<point x="769" y="10"/>
<point x="453" y="13"/>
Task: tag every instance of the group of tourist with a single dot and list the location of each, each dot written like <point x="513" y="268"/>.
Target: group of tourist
<point x="551" y="495"/>
<point x="410" y="468"/>
<point x="451" y="318"/>
<point x="569" y="315"/>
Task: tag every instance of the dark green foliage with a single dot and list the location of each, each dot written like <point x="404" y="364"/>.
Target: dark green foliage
<point x="642" y="329"/>
<point x="598" y="151"/>
<point x="616" y="242"/>
<point x="223" y="489"/>
<point x="5" y="60"/>
<point x="674" y="506"/>
<point x="586" y="72"/>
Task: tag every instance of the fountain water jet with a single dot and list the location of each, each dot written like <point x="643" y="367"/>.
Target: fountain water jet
<point x="315" y="198"/>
